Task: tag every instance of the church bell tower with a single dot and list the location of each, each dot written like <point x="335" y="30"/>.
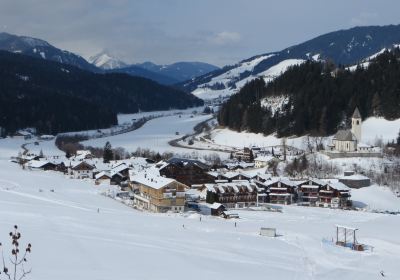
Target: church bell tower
<point x="356" y="124"/>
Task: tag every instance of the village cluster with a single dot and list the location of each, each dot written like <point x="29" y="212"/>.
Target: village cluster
<point x="178" y="185"/>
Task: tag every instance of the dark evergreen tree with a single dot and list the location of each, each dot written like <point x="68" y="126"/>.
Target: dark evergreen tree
<point x="303" y="162"/>
<point x="107" y="153"/>
<point x="398" y="139"/>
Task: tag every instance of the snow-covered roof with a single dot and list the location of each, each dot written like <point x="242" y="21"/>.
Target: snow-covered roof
<point x="151" y="179"/>
<point x="355" y="177"/>
<point x="213" y="173"/>
<point x="215" y="205"/>
<point x="37" y="163"/>
<point x="318" y="181"/>
<point x="310" y="186"/>
<point x="338" y="185"/>
<point x="187" y="162"/>
<point x="230" y="174"/>
<point x="119" y="168"/>
<point x="235" y="186"/>
<point x="264" y="158"/>
<point x="23" y="133"/>
<point x="101" y="174"/>
<point x="344" y="135"/>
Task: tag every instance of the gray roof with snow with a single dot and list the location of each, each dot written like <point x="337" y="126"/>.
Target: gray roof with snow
<point x="344" y="135"/>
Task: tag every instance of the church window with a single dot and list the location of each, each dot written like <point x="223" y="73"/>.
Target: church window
<point x="358" y="122"/>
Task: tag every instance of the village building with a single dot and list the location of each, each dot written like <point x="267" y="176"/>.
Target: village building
<point x="308" y="193"/>
<point x="245" y="155"/>
<point x="81" y="170"/>
<point x="41" y="164"/>
<point x="82" y="155"/>
<point x="156" y="193"/>
<point x="263" y="161"/>
<point x="235" y="194"/>
<point x="103" y="177"/>
<point x="280" y="190"/>
<point x="23" y="134"/>
<point x="355" y="181"/>
<point x="186" y="171"/>
<point x="334" y="194"/>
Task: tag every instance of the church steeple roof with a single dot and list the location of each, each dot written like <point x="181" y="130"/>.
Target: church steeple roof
<point x="356" y="114"/>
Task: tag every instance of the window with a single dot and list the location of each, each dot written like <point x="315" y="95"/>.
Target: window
<point x="358" y="122"/>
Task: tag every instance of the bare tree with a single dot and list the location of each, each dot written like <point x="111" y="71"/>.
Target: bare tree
<point x="17" y="259"/>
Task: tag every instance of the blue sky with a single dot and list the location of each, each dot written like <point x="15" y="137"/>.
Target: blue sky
<point x="163" y="31"/>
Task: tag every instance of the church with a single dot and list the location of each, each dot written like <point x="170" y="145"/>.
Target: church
<point x="350" y="140"/>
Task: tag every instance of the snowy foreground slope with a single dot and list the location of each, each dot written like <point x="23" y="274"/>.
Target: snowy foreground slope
<point x="71" y="240"/>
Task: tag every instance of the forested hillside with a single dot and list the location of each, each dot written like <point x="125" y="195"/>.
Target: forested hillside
<point x="55" y="97"/>
<point x="319" y="98"/>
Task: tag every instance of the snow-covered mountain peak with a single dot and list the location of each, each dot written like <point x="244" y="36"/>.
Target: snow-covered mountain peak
<point x="106" y="61"/>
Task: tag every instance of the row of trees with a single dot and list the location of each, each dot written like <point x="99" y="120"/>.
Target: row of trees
<point x="321" y="98"/>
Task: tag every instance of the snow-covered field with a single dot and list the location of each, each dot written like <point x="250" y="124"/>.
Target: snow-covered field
<point x="156" y="134"/>
<point x="373" y="128"/>
<point x="227" y="137"/>
<point x="376" y="198"/>
<point x="71" y="240"/>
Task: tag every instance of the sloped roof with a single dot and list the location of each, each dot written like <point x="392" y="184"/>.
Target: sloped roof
<point x="103" y="173"/>
<point x="38" y="163"/>
<point x="151" y="179"/>
<point x="356" y="114"/>
<point x="344" y="135"/>
<point x="338" y="185"/>
<point x="186" y="162"/>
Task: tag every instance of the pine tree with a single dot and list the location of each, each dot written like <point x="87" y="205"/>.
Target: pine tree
<point x="107" y="153"/>
<point x="398" y="139"/>
<point x="303" y="163"/>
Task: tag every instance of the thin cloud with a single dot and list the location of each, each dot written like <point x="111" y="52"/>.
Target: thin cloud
<point x="225" y="37"/>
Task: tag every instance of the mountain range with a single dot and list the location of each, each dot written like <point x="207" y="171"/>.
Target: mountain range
<point x="343" y="47"/>
<point x="163" y="74"/>
<point x="104" y="62"/>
